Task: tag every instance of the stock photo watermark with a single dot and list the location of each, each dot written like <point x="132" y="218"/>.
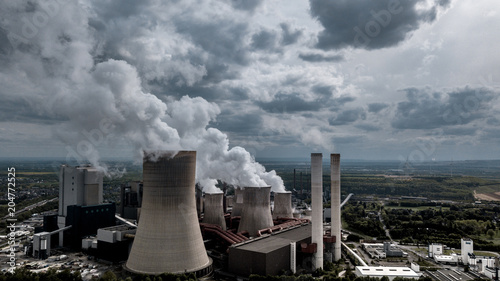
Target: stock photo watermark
<point x="11" y="220"/>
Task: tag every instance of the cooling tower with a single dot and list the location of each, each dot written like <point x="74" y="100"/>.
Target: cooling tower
<point x="317" y="207"/>
<point x="335" y="200"/>
<point x="214" y="209"/>
<point x="256" y="210"/>
<point x="237" y="202"/>
<point x="168" y="237"/>
<point x="282" y="205"/>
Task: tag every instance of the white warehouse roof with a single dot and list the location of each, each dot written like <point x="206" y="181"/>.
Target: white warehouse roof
<point x="380" y="271"/>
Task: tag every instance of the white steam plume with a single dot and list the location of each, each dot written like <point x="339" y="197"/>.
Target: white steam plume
<point x="55" y="69"/>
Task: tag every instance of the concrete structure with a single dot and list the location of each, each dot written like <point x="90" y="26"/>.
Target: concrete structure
<point x="130" y="200"/>
<point x="381" y="271"/>
<point x="435" y="249"/>
<point x="256" y="210"/>
<point x="467" y="250"/>
<point x="270" y="254"/>
<point x="41" y="245"/>
<point x="335" y="203"/>
<point x="237" y="202"/>
<point x="317" y="207"/>
<point x="81" y="186"/>
<point x="168" y="237"/>
<point x="113" y="243"/>
<point x="214" y="209"/>
<point x="282" y="205"/>
<point x="446" y="259"/>
<point x="392" y="251"/>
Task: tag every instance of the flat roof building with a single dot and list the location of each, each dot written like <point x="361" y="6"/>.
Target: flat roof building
<point x="268" y="255"/>
<point x="390" y="272"/>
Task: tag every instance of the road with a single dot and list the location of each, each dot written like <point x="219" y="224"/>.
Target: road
<point x="30" y="207"/>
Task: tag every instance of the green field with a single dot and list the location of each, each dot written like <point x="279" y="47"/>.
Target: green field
<point x="420" y="208"/>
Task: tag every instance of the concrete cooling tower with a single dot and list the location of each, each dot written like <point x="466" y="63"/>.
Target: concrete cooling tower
<point x="282" y="205"/>
<point x="256" y="210"/>
<point x="238" y="202"/>
<point x="214" y="209"/>
<point x="168" y="237"/>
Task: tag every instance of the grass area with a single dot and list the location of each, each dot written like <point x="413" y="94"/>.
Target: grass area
<point x="495" y="240"/>
<point x="488" y="188"/>
<point x="34" y="173"/>
<point x="486" y="254"/>
<point x="420" y="208"/>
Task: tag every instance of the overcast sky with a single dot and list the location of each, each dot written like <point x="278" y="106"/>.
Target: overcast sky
<point x="372" y="80"/>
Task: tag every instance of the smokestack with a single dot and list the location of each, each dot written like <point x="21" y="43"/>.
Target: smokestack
<point x="237" y="202"/>
<point x="168" y="237"/>
<point x="214" y="210"/>
<point x="317" y="207"/>
<point x="335" y="201"/>
<point x="256" y="210"/>
<point x="282" y="205"/>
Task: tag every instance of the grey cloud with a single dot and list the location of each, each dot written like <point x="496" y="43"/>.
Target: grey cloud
<point x="264" y="40"/>
<point x="323" y="90"/>
<point x="369" y="24"/>
<point x="313" y="57"/>
<point x="368" y="127"/>
<point x="289" y="103"/>
<point x="243" y="124"/>
<point x="288" y="36"/>
<point x="460" y="131"/>
<point x="426" y="109"/>
<point x="245" y="5"/>
<point x="347" y="117"/>
<point x="493" y="121"/>
<point x="377" y="107"/>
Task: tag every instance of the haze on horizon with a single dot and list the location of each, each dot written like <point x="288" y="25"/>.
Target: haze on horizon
<point x="373" y="80"/>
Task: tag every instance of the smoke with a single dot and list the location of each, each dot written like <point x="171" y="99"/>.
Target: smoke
<point x="53" y="64"/>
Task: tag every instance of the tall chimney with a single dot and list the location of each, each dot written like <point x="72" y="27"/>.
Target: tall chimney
<point x="256" y="210"/>
<point x="282" y="205"/>
<point x="214" y="210"/>
<point x="335" y="203"/>
<point x="317" y="207"/>
<point x="168" y="237"/>
<point x="237" y="202"/>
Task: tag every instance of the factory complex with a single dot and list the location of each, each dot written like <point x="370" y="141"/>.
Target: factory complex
<point x="166" y="224"/>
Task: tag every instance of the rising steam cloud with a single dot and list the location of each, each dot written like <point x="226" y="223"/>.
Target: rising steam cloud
<point x="54" y="65"/>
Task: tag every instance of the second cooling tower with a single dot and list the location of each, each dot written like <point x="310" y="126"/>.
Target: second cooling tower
<point x="282" y="205"/>
<point x="256" y="210"/>
<point x="168" y="237"/>
<point x="214" y="209"/>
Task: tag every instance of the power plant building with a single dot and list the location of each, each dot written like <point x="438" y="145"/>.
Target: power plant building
<point x="168" y="237"/>
<point x="317" y="207"/>
<point x="271" y="254"/>
<point x="335" y="203"/>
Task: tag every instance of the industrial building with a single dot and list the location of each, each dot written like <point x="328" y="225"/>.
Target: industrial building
<point x="282" y="205"/>
<point x="256" y="213"/>
<point x="467" y="250"/>
<point x="390" y="272"/>
<point x="130" y="200"/>
<point x="435" y="249"/>
<point x="270" y="254"/>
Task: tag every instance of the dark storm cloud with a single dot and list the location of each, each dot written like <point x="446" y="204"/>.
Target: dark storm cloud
<point x="5" y="45"/>
<point x="264" y="40"/>
<point x="288" y="36"/>
<point x="313" y="57"/>
<point x="426" y="109"/>
<point x="377" y="107"/>
<point x="347" y="117"/>
<point x="369" y="24"/>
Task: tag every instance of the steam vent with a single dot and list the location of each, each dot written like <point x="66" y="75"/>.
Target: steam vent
<point x="168" y="237"/>
<point x="214" y="210"/>
<point x="256" y="210"/>
<point x="282" y="205"/>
